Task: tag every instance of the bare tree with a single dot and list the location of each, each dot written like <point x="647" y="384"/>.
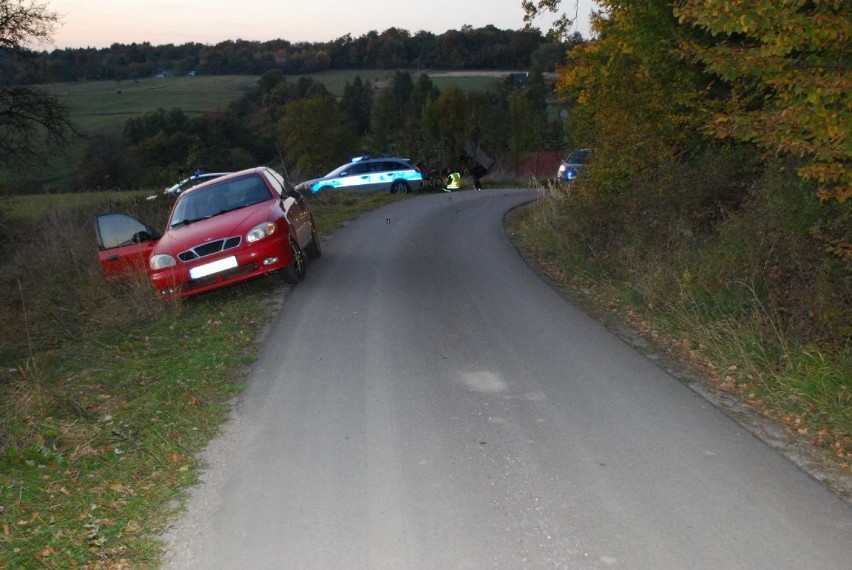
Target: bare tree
<point x="31" y="120"/>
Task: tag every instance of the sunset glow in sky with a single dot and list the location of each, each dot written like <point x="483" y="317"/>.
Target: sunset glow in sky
<point x="100" y="23"/>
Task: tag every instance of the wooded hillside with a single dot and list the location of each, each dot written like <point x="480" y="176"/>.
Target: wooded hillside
<point x="394" y="48"/>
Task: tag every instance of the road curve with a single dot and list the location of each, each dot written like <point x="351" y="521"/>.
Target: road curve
<point x="425" y="401"/>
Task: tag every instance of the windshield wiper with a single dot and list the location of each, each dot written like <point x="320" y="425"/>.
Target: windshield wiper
<point x="186" y="222"/>
<point x="226" y="210"/>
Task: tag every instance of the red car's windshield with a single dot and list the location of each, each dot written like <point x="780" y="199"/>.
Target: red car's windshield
<point x="218" y="198"/>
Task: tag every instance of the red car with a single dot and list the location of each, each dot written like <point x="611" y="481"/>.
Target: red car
<point x="236" y="227"/>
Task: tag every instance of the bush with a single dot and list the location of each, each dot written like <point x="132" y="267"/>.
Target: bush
<point x="779" y="244"/>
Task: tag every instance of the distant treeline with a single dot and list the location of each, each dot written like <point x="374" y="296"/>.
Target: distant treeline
<point x="467" y="48"/>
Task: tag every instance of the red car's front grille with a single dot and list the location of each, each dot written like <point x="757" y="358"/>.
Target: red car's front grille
<point x="210" y="248"/>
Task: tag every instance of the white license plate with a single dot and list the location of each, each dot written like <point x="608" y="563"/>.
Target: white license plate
<point x="214" y="267"/>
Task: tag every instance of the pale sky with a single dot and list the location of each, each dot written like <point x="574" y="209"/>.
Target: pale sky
<point x="100" y="23"/>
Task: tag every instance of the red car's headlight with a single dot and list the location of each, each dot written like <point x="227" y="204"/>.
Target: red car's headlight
<point x="161" y="261"/>
<point x="261" y="231"/>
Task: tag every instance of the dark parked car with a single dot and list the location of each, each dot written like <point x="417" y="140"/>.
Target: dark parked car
<point x="571" y="166"/>
<point x="365" y="174"/>
<point x="236" y="227"/>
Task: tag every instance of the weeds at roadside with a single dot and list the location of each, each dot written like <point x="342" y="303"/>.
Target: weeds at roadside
<point x="109" y="392"/>
<point x="726" y="330"/>
<point x="92" y="459"/>
<point x="801" y="386"/>
<point x="335" y="208"/>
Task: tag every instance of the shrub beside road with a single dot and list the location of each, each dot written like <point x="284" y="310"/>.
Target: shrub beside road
<point x="720" y="335"/>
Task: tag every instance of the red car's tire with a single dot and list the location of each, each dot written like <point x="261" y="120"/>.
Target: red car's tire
<point x="295" y="272"/>
<point x="313" y="248"/>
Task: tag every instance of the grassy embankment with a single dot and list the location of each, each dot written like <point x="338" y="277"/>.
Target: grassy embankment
<point x="706" y="306"/>
<point x="107" y="393"/>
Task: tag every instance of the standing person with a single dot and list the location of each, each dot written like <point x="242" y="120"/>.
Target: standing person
<point x="476" y="173"/>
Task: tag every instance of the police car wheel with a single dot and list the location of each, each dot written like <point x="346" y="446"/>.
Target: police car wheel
<point x="399" y="187"/>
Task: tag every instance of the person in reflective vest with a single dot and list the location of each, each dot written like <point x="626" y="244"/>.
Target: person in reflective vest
<point x="453" y="182"/>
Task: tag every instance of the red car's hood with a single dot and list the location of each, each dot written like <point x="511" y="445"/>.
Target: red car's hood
<point x="236" y="223"/>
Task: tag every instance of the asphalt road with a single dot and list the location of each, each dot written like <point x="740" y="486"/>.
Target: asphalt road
<point x="425" y="401"/>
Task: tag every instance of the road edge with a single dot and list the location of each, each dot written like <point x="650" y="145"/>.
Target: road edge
<point x="818" y="463"/>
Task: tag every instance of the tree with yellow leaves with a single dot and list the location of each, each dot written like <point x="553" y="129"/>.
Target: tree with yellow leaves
<point x="789" y="67"/>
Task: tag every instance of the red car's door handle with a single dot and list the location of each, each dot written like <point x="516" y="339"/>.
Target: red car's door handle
<point x="112" y="258"/>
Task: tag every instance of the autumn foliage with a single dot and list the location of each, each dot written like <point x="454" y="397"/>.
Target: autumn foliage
<point x="786" y="64"/>
<point x="720" y="131"/>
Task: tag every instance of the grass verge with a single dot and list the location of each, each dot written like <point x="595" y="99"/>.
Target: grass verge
<point x="729" y="337"/>
<point x="101" y="436"/>
<point x="101" y="421"/>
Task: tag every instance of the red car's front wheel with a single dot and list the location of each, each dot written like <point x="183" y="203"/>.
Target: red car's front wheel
<point x="294" y="272"/>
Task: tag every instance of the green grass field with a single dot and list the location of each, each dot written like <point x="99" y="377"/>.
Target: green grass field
<point x="335" y="81"/>
<point x="33" y="206"/>
<point x="103" y="107"/>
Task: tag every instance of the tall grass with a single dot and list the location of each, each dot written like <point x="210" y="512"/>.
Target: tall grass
<point x="713" y="299"/>
<point x="55" y="290"/>
<point x="805" y="386"/>
<point x="32" y="206"/>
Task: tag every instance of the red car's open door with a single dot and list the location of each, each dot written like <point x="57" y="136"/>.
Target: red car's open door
<point x="124" y="244"/>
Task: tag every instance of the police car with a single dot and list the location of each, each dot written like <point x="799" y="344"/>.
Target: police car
<point x="365" y="174"/>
